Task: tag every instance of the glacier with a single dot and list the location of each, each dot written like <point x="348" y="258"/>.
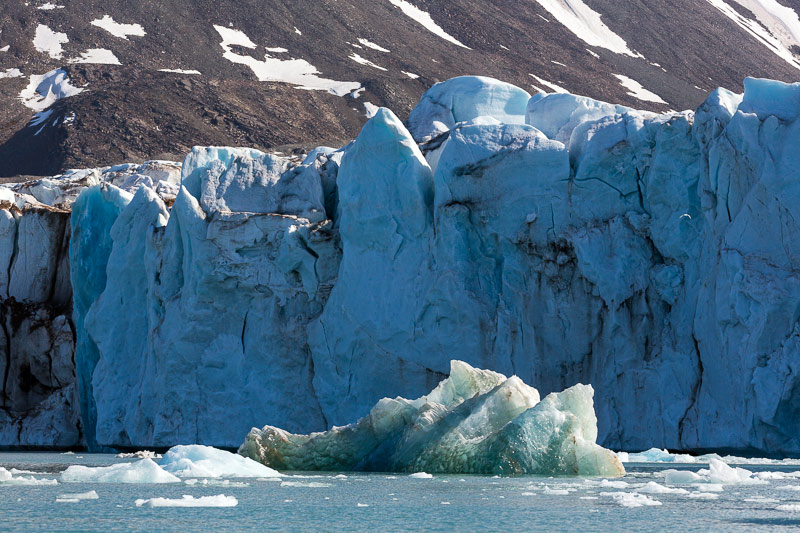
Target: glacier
<point x="473" y="422"/>
<point x="550" y="236"/>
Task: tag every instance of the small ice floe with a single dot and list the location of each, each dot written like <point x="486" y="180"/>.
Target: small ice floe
<point x="717" y="473"/>
<point x="654" y="488"/>
<point x="204" y="461"/>
<point x="703" y="495"/>
<point x="339" y="476"/>
<point x="557" y="492"/>
<point x="362" y="505"/>
<point x="631" y="499"/>
<point x="144" y="471"/>
<point x="77" y="497"/>
<point x="790" y="507"/>
<point x="308" y="484"/>
<point x="7" y="478"/>
<point x="606" y="483"/>
<point x="421" y="475"/>
<point x="215" y="483"/>
<point x="219" y="500"/>
<point x="789" y="487"/>
<point x="141" y="454"/>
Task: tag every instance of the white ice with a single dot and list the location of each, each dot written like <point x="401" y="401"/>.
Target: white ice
<point x="190" y="501"/>
<point x="7" y="478"/>
<point x="207" y="462"/>
<point x="145" y="471"/>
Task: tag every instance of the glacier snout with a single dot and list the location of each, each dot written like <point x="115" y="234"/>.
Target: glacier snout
<point x="473" y="422"/>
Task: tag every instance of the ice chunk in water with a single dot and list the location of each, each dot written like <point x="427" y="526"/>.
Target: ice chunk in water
<point x="475" y="421"/>
<point x="144" y="471"/>
<point x="204" y="461"/>
<point x="190" y="501"/>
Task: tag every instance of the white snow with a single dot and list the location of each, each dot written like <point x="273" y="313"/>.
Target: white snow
<point x="370" y="109"/>
<point x="278" y="50"/>
<point x="219" y="500"/>
<point x="424" y="18"/>
<point x="206" y="462"/>
<point x="777" y="16"/>
<point x="586" y="24"/>
<point x="362" y="61"/>
<point x="636" y="90"/>
<point x="552" y="86"/>
<point x="294" y="71"/>
<point x="97" y="56"/>
<point x="145" y="471"/>
<point x="117" y="29"/>
<point x="49" y="42"/>
<point x="180" y="71"/>
<point x="5" y="48"/>
<point x="370" y="44"/>
<point x="46" y="89"/>
<point x="11" y="73"/>
<point x="40" y="118"/>
<point x="49" y="6"/>
<point x="410" y="74"/>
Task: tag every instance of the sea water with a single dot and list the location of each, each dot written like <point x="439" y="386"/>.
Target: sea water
<point x="397" y="502"/>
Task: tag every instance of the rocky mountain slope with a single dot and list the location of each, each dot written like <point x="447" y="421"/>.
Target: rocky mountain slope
<point x="237" y="69"/>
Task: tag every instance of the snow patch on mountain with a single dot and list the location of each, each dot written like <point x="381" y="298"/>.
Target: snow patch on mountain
<point x="11" y="73"/>
<point x="636" y="90"/>
<point x="587" y="25"/>
<point x="424" y="18"/>
<point x="293" y="71"/>
<point x="97" y="56"/>
<point x="49" y="42"/>
<point x="46" y="89"/>
<point x="370" y="44"/>
<point x="180" y="71"/>
<point x="550" y="85"/>
<point x="782" y="21"/>
<point x="758" y="31"/>
<point x="49" y="6"/>
<point x="118" y="29"/>
<point x="363" y="61"/>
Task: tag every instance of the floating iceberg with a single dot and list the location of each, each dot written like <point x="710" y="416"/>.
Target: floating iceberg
<point x="144" y="471"/>
<point x="717" y="472"/>
<point x="207" y="462"/>
<point x="475" y="421"/>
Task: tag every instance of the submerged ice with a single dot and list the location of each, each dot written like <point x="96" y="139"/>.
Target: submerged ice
<point x="473" y="422"/>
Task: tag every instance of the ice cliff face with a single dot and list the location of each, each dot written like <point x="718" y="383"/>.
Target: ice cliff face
<point x="473" y="422"/>
<point x="39" y="388"/>
<point x="556" y="238"/>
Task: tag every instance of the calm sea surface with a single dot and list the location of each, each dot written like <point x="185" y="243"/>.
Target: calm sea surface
<point x="386" y="502"/>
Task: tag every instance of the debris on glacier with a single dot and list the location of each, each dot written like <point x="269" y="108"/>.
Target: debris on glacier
<point x="145" y="471"/>
<point x="219" y="500"/>
<point x="207" y="462"/>
<point x="475" y="421"/>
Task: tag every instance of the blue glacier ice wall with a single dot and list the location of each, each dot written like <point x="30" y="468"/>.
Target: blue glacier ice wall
<point x="554" y="237"/>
